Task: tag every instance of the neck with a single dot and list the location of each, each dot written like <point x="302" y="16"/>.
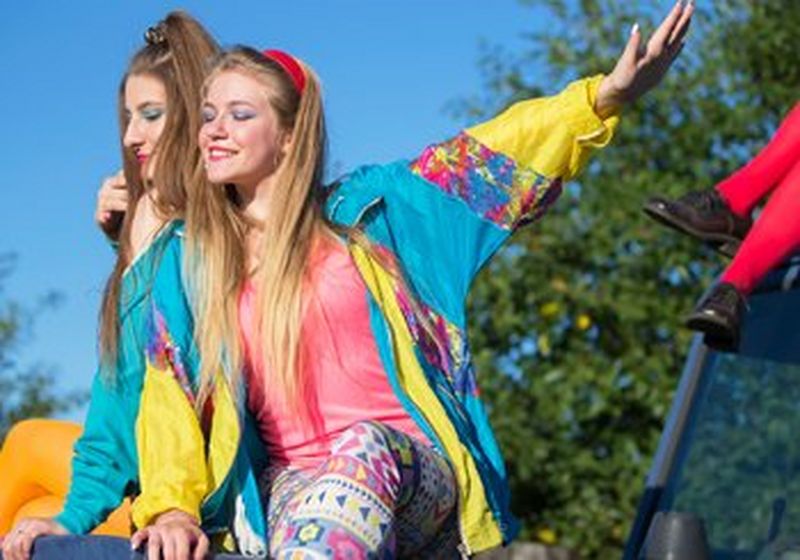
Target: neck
<point x="254" y="199"/>
<point x="151" y="191"/>
<point x="146" y="224"/>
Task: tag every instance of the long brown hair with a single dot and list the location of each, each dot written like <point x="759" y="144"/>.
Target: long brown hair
<point x="216" y="230"/>
<point x="177" y="52"/>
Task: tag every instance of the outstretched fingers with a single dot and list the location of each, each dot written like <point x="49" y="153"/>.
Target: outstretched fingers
<point x="676" y="39"/>
<point x="661" y="36"/>
<point x="632" y="51"/>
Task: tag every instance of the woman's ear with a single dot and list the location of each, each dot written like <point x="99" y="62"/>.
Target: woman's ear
<point x="286" y="141"/>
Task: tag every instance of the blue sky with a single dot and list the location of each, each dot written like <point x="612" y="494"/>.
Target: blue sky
<point x="388" y="67"/>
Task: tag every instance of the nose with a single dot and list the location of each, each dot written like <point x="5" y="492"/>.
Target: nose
<point x="214" y="129"/>
<point x="133" y="135"/>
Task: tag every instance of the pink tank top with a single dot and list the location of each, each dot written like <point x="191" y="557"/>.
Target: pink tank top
<point x="345" y="377"/>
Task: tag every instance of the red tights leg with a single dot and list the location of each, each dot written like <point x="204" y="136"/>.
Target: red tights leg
<point x="774" y="236"/>
<point x="751" y="183"/>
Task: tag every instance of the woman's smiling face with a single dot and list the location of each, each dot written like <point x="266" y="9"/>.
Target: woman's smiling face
<point x="241" y="139"/>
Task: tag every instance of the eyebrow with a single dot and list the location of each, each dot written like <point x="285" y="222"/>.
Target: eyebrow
<point x="146" y="105"/>
<point x="233" y="103"/>
<point x="149" y="104"/>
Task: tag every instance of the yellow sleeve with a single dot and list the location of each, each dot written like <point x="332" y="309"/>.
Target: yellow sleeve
<point x="554" y="135"/>
<point x="172" y="462"/>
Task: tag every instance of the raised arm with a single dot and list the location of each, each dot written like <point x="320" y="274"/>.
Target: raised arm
<point x="642" y="66"/>
<point x="535" y="145"/>
<point x="452" y="207"/>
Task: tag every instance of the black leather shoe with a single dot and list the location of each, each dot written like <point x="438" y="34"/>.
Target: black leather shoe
<point x="703" y="215"/>
<point x="718" y="316"/>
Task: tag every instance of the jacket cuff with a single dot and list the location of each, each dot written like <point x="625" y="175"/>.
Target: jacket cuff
<point x="145" y="511"/>
<point x="74" y="522"/>
<point x="590" y="128"/>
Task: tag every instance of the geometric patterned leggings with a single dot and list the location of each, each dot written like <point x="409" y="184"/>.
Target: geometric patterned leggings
<point x="381" y="494"/>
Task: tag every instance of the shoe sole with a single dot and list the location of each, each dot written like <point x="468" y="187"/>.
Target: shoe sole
<point x="721" y="344"/>
<point x="720" y="242"/>
<point x="718" y="334"/>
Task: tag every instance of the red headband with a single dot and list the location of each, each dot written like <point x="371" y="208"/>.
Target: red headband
<point x="290" y="66"/>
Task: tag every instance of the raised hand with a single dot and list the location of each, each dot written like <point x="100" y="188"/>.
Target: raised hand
<point x="112" y="202"/>
<point x="640" y="68"/>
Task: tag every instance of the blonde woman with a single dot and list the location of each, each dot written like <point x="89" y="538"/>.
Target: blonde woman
<point x="344" y="307"/>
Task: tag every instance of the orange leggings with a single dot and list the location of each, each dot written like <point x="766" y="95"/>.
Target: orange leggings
<point x="35" y="471"/>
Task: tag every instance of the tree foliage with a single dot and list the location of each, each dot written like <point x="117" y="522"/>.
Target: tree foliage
<point x="576" y="325"/>
<point x="24" y="392"/>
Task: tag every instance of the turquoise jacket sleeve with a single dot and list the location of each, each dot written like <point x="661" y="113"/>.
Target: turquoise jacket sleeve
<point x="447" y="211"/>
<point x="104" y="465"/>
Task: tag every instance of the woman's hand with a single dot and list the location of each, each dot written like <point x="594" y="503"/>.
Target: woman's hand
<point x="112" y="202"/>
<point x="175" y="535"/>
<point x="640" y="69"/>
<point x="18" y="542"/>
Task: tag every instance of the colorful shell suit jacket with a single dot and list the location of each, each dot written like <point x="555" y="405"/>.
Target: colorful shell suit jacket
<point x="433" y="222"/>
<point x="105" y="465"/>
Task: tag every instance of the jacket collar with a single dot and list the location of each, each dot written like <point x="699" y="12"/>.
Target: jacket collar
<point x="352" y="198"/>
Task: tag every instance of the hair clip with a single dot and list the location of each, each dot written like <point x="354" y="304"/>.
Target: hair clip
<point x="155" y="34"/>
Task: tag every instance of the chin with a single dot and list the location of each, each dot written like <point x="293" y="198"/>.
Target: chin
<point x="220" y="178"/>
<point x="218" y="174"/>
<point x="148" y="169"/>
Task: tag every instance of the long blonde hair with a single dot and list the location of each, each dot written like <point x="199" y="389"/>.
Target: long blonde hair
<point x="177" y="52"/>
<point x="217" y="230"/>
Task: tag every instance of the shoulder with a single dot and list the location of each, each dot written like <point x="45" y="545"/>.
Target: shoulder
<point x="348" y="198"/>
<point x="158" y="267"/>
<point x="169" y="236"/>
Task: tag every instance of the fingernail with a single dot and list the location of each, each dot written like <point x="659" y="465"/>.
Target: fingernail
<point x="635" y="28"/>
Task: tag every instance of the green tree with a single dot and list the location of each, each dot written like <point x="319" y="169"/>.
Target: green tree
<point x="25" y="392"/>
<point x="576" y="325"/>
